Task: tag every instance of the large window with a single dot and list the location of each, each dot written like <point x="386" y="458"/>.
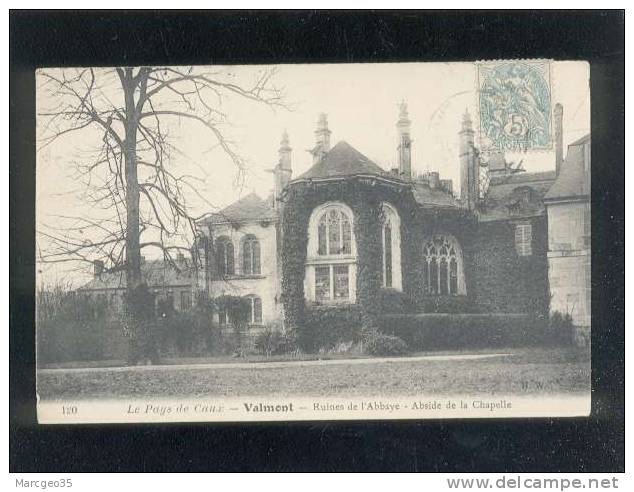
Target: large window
<point x="391" y="243"/>
<point x="250" y="256"/>
<point x="331" y="255"/>
<point x="523" y="239"/>
<point x="442" y="266"/>
<point x="332" y="283"/>
<point x="224" y="257"/>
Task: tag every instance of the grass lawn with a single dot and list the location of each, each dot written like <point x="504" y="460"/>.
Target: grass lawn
<point x="526" y="371"/>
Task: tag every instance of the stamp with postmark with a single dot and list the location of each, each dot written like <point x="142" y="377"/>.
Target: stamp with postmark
<point x="514" y="100"/>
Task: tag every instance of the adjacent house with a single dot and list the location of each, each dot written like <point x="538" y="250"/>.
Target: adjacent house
<point x="173" y="286"/>
<point x="568" y="205"/>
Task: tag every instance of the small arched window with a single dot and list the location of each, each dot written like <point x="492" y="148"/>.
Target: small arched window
<point x="224" y="257"/>
<point x="442" y="266"/>
<point x="250" y="256"/>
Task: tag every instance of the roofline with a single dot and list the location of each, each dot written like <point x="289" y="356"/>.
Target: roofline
<point x="444" y="207"/>
<point x="237" y="221"/>
<point x="536" y="179"/>
<point x="579" y="141"/>
<point x="482" y="218"/>
<point x="347" y="176"/>
<point x="124" y="287"/>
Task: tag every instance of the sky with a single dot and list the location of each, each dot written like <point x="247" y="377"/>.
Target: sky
<point x="361" y="101"/>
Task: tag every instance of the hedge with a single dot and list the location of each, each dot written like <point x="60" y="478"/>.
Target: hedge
<point x="441" y="331"/>
<point x="77" y="340"/>
<point x="326" y="326"/>
<point x="447" y="304"/>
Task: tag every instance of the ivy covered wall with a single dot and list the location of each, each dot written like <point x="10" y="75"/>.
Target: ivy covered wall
<point x="364" y="197"/>
<point x="503" y="281"/>
<point x="496" y="278"/>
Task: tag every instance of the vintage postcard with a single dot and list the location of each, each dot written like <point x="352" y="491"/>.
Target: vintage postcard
<point x="313" y="242"/>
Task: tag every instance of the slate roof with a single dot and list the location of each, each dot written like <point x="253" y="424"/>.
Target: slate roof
<point x="573" y="181"/>
<point x="156" y="273"/>
<point x="507" y="199"/>
<point x="428" y="197"/>
<point x="342" y="160"/>
<point x="251" y="207"/>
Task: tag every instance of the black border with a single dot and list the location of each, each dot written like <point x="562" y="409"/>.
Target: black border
<point x="63" y="38"/>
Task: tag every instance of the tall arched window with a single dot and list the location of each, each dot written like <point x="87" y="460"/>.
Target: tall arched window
<point x="442" y="266"/>
<point x="256" y="310"/>
<point x="331" y="255"/>
<point x="224" y="257"/>
<point x="391" y="243"/>
<point x="250" y="256"/>
<point x="334" y="233"/>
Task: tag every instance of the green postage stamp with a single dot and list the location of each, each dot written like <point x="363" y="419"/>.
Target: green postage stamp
<point x="514" y="100"/>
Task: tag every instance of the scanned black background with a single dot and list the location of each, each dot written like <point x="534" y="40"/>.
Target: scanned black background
<point x="71" y="38"/>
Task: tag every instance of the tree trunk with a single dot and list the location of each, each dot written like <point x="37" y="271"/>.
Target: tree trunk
<point x="135" y="318"/>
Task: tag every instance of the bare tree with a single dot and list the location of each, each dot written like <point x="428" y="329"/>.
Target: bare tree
<point x="129" y="113"/>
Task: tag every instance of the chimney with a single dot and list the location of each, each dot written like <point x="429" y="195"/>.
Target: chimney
<point x="283" y="170"/>
<point x="322" y="138"/>
<point x="559" y="137"/>
<point x="97" y="268"/>
<point x="403" y="126"/>
<point x="469" y="165"/>
<point x="285" y="152"/>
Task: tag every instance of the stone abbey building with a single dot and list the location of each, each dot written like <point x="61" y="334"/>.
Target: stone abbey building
<point x="347" y="231"/>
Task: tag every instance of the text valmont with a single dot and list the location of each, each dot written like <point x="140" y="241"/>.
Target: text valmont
<point x="268" y="408"/>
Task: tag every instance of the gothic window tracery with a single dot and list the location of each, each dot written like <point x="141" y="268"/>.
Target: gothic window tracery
<point x="442" y="266"/>
<point x="334" y="233"/>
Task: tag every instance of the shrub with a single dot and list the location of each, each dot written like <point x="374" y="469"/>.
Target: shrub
<point x="188" y="333"/>
<point x="381" y="344"/>
<point x="327" y="326"/>
<point x="561" y="330"/>
<point x="70" y="327"/>
<point x="274" y="342"/>
<point x="238" y="310"/>
<point x="465" y="331"/>
<point x="394" y="301"/>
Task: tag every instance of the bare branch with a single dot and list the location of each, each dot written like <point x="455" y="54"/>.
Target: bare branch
<point x="126" y="114"/>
